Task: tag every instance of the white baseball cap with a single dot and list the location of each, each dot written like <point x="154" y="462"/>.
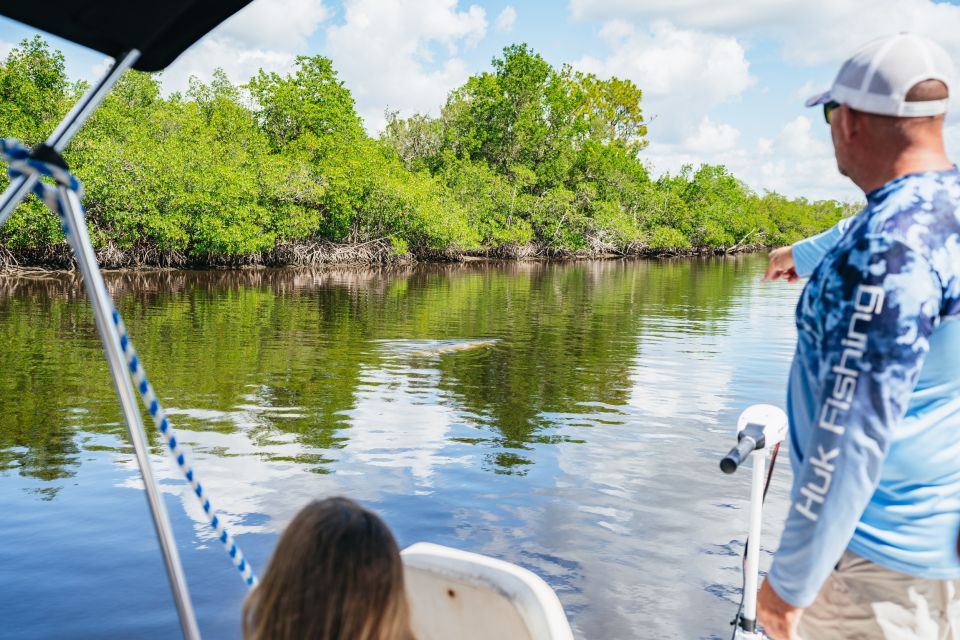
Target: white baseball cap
<point x="878" y="76"/>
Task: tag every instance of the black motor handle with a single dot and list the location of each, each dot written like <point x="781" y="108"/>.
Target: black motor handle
<point x="745" y="446"/>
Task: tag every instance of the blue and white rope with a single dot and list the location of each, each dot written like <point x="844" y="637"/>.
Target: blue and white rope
<point x="163" y="424"/>
<point x="21" y="164"/>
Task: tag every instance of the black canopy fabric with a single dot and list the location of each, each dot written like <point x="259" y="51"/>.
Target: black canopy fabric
<point x="160" y="29"/>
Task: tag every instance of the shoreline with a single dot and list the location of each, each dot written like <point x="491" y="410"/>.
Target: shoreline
<point x="376" y="253"/>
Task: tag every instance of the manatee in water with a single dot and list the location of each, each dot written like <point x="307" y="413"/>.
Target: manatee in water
<point x="444" y="347"/>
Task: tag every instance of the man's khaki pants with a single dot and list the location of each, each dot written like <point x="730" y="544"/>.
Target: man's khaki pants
<point x="863" y="601"/>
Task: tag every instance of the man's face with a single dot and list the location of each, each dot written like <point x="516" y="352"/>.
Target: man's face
<point x="840" y="150"/>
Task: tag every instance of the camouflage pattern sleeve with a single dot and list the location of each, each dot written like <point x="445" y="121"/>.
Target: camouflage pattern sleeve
<point x="871" y="310"/>
<point x="808" y="252"/>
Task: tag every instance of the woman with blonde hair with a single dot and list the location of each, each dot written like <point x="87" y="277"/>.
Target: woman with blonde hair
<point x="336" y="574"/>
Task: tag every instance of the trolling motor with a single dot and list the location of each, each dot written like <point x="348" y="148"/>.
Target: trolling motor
<point x="760" y="429"/>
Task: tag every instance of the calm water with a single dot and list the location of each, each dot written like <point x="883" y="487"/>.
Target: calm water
<point x="582" y="443"/>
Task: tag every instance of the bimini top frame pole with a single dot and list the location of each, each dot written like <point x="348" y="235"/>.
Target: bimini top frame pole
<point x="68" y="127"/>
<point x="100" y="299"/>
<point x="102" y="311"/>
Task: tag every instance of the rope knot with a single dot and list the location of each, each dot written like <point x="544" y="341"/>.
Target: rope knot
<point x="21" y="161"/>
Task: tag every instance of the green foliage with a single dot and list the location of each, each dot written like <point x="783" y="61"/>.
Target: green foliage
<point x="525" y="153"/>
<point x="33" y="94"/>
<point x="525" y="114"/>
<point x="33" y="85"/>
<point x="494" y="205"/>
<point x="370" y="194"/>
<point x="312" y="107"/>
<point x="554" y="156"/>
<point x="666" y="238"/>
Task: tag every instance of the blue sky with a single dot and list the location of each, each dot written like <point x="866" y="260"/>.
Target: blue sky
<point x="723" y="82"/>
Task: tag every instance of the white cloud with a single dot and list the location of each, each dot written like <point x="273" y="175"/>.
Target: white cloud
<point x="402" y="54"/>
<point x="798" y="164"/>
<point x="238" y="62"/>
<point x="683" y="73"/>
<point x="506" y="19"/>
<point x="794" y="163"/>
<point x="266" y="34"/>
<point x="694" y="59"/>
<point x="97" y="70"/>
<point x="276" y="24"/>
<point x="796" y="139"/>
<point x="810" y="88"/>
<point x="712" y="138"/>
<point x="701" y="14"/>
<point x="399" y="430"/>
<point x="811" y="32"/>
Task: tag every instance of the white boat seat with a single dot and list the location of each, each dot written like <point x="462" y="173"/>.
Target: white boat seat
<point x="460" y="595"/>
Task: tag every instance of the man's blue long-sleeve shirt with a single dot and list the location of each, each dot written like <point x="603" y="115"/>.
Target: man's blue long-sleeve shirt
<point x="874" y="392"/>
<point x="808" y="253"/>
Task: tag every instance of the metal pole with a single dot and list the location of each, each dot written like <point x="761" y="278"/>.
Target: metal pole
<point x="752" y="569"/>
<point x="103" y="310"/>
<point x="18" y="189"/>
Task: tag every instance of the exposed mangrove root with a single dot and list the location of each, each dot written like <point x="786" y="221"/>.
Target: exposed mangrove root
<point x="313" y="254"/>
<point x="7" y="260"/>
<point x="379" y="252"/>
<point x="599" y="249"/>
<point x="290" y="254"/>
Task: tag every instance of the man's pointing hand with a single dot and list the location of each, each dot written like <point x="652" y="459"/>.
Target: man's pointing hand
<point x="780" y="265"/>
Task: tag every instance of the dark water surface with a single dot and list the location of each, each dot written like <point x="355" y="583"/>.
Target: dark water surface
<point x="582" y="443"/>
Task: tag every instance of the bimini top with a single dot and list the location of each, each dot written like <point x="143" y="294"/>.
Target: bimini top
<point x="160" y="30"/>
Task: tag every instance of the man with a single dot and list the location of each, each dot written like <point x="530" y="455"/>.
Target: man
<point x="868" y="548"/>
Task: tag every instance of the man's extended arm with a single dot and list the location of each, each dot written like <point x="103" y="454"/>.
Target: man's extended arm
<point x="801" y="258"/>
<point x="877" y="317"/>
<point x="807" y="253"/>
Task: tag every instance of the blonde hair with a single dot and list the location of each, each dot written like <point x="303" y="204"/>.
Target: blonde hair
<point x="336" y="574"/>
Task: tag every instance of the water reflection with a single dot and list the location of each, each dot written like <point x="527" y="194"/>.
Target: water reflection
<point x="564" y="335"/>
<point x="566" y="417"/>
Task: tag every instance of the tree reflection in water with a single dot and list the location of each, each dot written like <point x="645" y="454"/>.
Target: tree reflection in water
<point x="281" y="355"/>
